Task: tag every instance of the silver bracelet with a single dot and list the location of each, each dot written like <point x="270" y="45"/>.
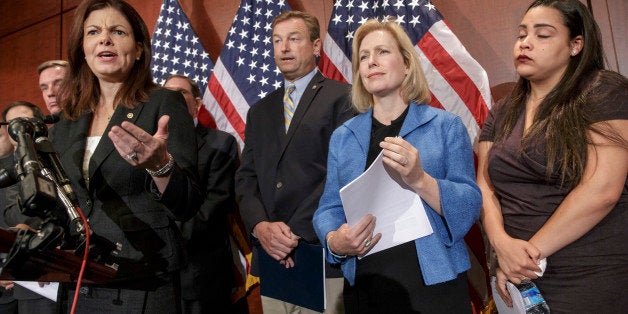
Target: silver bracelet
<point x="163" y="171"/>
<point x="328" y="240"/>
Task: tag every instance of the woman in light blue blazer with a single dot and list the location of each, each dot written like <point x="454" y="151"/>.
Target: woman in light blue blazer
<point x="431" y="151"/>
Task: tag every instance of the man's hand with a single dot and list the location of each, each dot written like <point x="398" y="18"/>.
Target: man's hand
<point x="277" y="240"/>
<point x="6" y="284"/>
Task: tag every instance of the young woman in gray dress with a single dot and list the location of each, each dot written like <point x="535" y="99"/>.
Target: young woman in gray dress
<point x="553" y="159"/>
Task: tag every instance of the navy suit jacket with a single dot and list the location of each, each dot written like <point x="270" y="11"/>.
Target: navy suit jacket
<point x="282" y="175"/>
<point x="208" y="276"/>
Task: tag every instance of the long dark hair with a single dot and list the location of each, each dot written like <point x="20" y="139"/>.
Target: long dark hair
<point x="80" y="92"/>
<point x="564" y="117"/>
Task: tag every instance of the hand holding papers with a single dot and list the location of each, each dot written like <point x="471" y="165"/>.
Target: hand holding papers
<point x="398" y="209"/>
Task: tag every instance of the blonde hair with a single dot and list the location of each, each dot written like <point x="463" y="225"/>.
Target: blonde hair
<point x="414" y="86"/>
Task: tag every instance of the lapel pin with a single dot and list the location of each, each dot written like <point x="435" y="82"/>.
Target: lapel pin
<point x="314" y="86"/>
<point x="129" y="115"/>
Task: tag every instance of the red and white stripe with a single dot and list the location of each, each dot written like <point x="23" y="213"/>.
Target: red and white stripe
<point x="457" y="82"/>
<point x="226" y="103"/>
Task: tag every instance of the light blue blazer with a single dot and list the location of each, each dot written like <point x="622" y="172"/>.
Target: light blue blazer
<point x="446" y="154"/>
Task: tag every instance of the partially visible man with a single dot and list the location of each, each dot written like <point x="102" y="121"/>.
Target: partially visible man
<point x="5" y="144"/>
<point x="207" y="280"/>
<point x="6" y="159"/>
<point x="284" y="161"/>
<point x="51" y="74"/>
<point x="16" y="299"/>
<point x="8" y="304"/>
<point x="16" y="109"/>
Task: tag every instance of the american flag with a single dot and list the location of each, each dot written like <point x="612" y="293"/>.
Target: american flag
<point x="178" y="50"/>
<point x="245" y="72"/>
<point x="457" y="82"/>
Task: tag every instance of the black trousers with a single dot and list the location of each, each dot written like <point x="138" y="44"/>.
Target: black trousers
<point x="162" y="298"/>
<point x="390" y="281"/>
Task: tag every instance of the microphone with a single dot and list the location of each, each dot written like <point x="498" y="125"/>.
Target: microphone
<point x="50" y="159"/>
<point x="22" y="131"/>
<point x="8" y="177"/>
<point x="44" y="146"/>
<point x="8" y="174"/>
<point x="51" y="119"/>
<point x="35" y="190"/>
<point x="49" y="154"/>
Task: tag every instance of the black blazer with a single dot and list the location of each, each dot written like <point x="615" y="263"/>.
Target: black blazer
<point x="282" y="176"/>
<point x="120" y="200"/>
<point x="208" y="276"/>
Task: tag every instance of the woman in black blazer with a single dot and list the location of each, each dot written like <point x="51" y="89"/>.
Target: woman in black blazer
<point x="132" y="170"/>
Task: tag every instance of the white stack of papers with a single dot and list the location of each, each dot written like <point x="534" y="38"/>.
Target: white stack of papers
<point x="49" y="290"/>
<point x="400" y="215"/>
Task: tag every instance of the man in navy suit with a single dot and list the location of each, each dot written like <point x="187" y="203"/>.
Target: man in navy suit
<point x="207" y="280"/>
<point x="285" y="155"/>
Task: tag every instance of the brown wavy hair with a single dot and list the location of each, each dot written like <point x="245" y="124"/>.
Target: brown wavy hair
<point x="311" y="22"/>
<point x="80" y="91"/>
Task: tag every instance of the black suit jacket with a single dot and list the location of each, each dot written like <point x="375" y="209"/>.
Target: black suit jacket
<point x="208" y="277"/>
<point x="120" y="200"/>
<point x="282" y="176"/>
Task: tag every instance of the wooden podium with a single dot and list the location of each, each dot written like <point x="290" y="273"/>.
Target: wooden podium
<point x="50" y="265"/>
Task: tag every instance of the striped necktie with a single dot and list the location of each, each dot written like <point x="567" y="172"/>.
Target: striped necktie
<point x="288" y="105"/>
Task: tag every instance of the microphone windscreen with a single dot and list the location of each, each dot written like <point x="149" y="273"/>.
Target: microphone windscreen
<point x="8" y="174"/>
<point x="51" y="119"/>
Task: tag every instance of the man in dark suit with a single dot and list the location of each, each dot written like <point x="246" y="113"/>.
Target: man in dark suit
<point x="207" y="280"/>
<point x="285" y="155"/>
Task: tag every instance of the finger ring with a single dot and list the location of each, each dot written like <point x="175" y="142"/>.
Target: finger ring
<point x="132" y="156"/>
<point x="405" y="161"/>
<point x="367" y="243"/>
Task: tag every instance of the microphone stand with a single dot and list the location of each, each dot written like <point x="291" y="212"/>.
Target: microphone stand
<point x="100" y="248"/>
<point x="44" y="186"/>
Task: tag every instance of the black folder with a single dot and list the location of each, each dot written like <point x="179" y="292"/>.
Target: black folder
<point x="303" y="284"/>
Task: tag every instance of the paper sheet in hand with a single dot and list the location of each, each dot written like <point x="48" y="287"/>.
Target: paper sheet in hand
<point x="398" y="209"/>
<point x="49" y="291"/>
